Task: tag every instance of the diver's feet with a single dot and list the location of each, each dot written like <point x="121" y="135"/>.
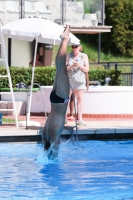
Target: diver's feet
<point x="65" y="34"/>
<point x="47" y="145"/>
<point x="55" y="149"/>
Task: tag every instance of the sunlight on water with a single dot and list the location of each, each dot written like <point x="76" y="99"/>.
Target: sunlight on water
<point x="89" y="170"/>
<point x="43" y="158"/>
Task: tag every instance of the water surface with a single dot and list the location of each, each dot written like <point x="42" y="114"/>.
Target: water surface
<point x="90" y="170"/>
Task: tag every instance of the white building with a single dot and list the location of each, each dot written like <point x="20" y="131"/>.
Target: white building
<point x="20" y="53"/>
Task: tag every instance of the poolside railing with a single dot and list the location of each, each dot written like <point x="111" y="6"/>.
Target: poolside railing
<point x="125" y="68"/>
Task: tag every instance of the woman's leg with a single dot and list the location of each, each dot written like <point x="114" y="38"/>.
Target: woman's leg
<point x="71" y="106"/>
<point x="79" y="96"/>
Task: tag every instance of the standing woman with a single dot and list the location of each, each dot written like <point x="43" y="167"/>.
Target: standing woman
<point x="77" y="67"/>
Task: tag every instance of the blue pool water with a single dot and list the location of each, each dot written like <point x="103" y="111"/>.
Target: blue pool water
<point x="94" y="170"/>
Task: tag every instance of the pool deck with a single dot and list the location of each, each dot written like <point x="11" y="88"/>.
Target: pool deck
<point x="96" y="129"/>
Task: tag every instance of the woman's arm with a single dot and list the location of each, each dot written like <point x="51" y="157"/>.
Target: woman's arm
<point x="84" y="68"/>
<point x="69" y="67"/>
<point x="87" y="80"/>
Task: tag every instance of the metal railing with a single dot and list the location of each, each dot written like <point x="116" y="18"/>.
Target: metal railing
<point x="125" y="68"/>
<point x="127" y="79"/>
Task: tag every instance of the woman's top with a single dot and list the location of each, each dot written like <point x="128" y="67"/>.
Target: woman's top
<point x="76" y="74"/>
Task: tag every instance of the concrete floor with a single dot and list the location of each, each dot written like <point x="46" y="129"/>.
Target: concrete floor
<point x="96" y="128"/>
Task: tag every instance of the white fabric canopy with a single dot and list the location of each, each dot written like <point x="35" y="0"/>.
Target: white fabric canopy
<point x="42" y="30"/>
<point x="29" y="29"/>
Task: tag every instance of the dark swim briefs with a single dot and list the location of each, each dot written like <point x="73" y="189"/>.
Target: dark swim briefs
<point x="54" y="98"/>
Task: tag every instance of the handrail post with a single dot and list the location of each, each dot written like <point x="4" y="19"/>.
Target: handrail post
<point x="131" y="75"/>
<point x="116" y="66"/>
<point x="108" y="65"/>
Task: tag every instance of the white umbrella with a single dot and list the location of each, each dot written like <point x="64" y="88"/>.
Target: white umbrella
<point x="31" y="28"/>
<point x="42" y="30"/>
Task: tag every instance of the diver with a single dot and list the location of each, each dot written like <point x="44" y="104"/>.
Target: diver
<point x="59" y="98"/>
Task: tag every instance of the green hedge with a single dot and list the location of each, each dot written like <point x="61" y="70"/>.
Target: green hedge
<point x="18" y="90"/>
<point x="45" y="76"/>
<point x="101" y="74"/>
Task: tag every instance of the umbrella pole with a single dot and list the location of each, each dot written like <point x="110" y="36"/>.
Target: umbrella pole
<point x="32" y="80"/>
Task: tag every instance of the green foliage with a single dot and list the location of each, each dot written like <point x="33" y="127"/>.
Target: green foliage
<point x="18" y="74"/>
<point x="101" y="74"/>
<point x="45" y="76"/>
<point x="7" y="121"/>
<point x="18" y="89"/>
<point x="119" y="15"/>
<point x="91" y="6"/>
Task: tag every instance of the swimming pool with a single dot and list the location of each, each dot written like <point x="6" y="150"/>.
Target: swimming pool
<point x="92" y="170"/>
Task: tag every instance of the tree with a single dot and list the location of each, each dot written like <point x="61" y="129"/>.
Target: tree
<point x="119" y="15"/>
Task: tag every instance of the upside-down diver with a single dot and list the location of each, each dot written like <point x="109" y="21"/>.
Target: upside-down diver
<point x="59" y="98"/>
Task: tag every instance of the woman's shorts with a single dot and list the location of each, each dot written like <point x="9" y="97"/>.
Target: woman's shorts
<point x="77" y="85"/>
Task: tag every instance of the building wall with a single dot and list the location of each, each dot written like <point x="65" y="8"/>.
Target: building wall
<point x="21" y="53"/>
<point x="106" y="100"/>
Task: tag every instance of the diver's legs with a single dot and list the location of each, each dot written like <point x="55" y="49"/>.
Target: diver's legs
<point x="55" y="122"/>
<point x="54" y="125"/>
<point x="61" y="83"/>
<point x="56" y="75"/>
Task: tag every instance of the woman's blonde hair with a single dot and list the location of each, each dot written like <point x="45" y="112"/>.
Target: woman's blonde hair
<point x="80" y="48"/>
